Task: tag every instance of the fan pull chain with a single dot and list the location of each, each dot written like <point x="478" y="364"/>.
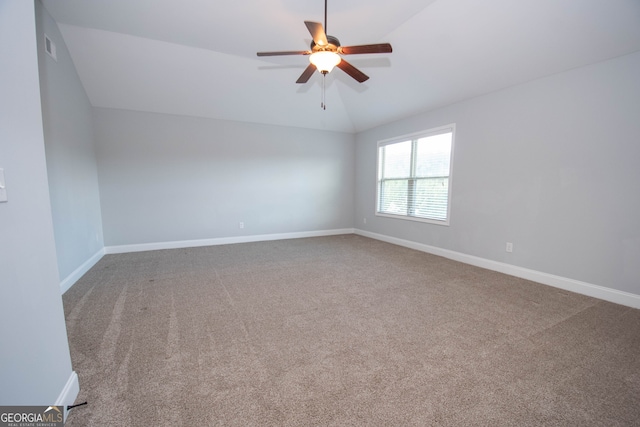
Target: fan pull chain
<point x="323" y="104"/>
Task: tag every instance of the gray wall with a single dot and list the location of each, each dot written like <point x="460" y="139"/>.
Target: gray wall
<point x="71" y="160"/>
<point x="171" y="178"/>
<point x="551" y="166"/>
<point x="34" y="355"/>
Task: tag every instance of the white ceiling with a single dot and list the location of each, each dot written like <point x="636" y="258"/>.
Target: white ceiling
<point x="198" y="57"/>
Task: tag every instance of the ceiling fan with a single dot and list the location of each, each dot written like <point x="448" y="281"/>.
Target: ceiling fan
<point x="325" y="53"/>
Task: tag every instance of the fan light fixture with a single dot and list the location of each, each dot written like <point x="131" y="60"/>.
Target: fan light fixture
<point x="325" y="60"/>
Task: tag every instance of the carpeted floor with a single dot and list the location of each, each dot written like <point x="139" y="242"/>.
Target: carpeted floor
<point x="342" y="331"/>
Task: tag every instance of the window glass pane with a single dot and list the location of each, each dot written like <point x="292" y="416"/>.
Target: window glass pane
<point x="397" y="160"/>
<point x="393" y="196"/>
<point x="431" y="196"/>
<point x="433" y="155"/>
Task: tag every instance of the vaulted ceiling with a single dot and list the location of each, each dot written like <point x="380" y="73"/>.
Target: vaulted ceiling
<point x="198" y="57"/>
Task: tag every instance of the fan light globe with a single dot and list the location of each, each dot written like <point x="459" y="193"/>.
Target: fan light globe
<point x="325" y="60"/>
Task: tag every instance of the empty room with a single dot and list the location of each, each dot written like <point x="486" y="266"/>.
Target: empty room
<point x="320" y="213"/>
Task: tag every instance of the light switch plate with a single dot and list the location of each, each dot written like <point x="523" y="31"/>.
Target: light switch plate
<point x="3" y="190"/>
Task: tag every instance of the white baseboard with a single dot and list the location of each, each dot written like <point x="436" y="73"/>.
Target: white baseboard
<point x="69" y="393"/>
<point x="596" y="291"/>
<point x="80" y="271"/>
<point x="222" y="241"/>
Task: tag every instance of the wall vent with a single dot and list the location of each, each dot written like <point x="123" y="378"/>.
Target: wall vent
<point x="50" y="47"/>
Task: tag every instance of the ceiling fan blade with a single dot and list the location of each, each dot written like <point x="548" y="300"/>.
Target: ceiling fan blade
<point x="286" y="52"/>
<point x="366" y="48"/>
<point x="306" y="74"/>
<point x="352" y="71"/>
<point x="317" y="32"/>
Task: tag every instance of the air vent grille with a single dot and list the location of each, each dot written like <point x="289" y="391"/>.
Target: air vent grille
<point x="50" y="47"/>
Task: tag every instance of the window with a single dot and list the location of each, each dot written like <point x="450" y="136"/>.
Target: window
<point x="414" y="176"/>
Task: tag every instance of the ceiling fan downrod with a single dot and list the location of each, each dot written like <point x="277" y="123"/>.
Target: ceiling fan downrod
<point x="325" y="16"/>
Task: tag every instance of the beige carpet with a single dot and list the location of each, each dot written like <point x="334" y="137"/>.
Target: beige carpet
<point x="342" y="331"/>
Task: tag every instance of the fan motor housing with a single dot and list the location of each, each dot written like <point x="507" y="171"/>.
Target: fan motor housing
<point x="333" y="45"/>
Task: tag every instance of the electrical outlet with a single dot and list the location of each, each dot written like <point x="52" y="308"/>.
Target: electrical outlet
<point x="241" y="225"/>
<point x="364" y="220"/>
<point x="509" y="247"/>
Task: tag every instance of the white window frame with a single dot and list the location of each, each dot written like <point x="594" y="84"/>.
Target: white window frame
<point x="450" y="128"/>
